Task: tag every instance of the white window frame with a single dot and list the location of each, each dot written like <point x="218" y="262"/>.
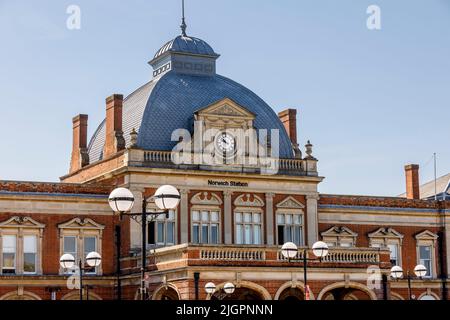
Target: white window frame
<point x="81" y="228"/>
<point x="20" y="227"/>
<point x="35" y="254"/>
<point x="427" y="238"/>
<point x="208" y="223"/>
<point x="252" y="211"/>
<point x="162" y="219"/>
<point x="292" y="212"/>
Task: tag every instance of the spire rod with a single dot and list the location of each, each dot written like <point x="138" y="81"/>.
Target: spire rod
<point x="183" y="23"/>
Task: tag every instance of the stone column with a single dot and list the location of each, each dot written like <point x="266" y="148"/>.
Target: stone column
<point x="135" y="227"/>
<point x="184" y="214"/>
<point x="269" y="219"/>
<point x="312" y="219"/>
<point x="227" y="217"/>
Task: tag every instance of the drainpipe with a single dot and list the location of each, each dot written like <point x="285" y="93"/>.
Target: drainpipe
<point x="196" y="281"/>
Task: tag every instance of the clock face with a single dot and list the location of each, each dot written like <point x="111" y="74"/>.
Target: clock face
<point x="225" y="142"/>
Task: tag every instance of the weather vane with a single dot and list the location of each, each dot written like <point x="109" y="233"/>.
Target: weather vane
<point x="183" y="23"/>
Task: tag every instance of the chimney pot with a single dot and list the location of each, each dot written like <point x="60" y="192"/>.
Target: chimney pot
<point x="289" y="119"/>
<point x="114" y="141"/>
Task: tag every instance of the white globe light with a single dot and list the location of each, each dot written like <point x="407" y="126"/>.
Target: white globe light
<point x="121" y="200"/>
<point x="320" y="249"/>
<point x="167" y="197"/>
<point x="228" y="288"/>
<point x="93" y="259"/>
<point x="420" y="270"/>
<point x="67" y="261"/>
<point x="289" y="250"/>
<point x="396" y="272"/>
<point x="210" y="288"/>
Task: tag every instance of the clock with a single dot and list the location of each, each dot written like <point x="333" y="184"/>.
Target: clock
<point x="225" y="142"/>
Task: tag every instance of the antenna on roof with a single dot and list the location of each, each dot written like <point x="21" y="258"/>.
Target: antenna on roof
<point x="183" y="23"/>
<point x="435" y="178"/>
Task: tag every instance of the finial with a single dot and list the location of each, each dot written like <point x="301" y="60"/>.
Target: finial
<point x="183" y="25"/>
<point x="133" y="138"/>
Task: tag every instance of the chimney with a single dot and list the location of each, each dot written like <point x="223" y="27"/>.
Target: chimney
<point x="114" y="141"/>
<point x="80" y="156"/>
<point x="289" y="119"/>
<point x="412" y="181"/>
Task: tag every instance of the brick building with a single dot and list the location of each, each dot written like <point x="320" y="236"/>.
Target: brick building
<point x="238" y="205"/>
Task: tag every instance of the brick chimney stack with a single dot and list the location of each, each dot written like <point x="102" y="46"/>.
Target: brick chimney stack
<point x="412" y="181"/>
<point x="80" y="156"/>
<point x="114" y="141"/>
<point x="289" y="119"/>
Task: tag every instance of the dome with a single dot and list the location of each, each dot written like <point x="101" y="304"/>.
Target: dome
<point x="186" y="44"/>
<point x="169" y="102"/>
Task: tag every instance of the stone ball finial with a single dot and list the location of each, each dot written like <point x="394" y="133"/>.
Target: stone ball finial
<point x="133" y="138"/>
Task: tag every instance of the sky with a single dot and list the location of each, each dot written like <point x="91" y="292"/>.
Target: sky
<point x="370" y="101"/>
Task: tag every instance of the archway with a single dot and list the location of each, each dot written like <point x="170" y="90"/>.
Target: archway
<point x="25" y="296"/>
<point x="76" y="296"/>
<point x="346" y="291"/>
<point x="245" y="290"/>
<point x="293" y="291"/>
<point x="396" y="296"/>
<point x="166" y="292"/>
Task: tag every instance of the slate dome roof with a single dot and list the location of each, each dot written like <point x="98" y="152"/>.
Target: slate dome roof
<point x="169" y="101"/>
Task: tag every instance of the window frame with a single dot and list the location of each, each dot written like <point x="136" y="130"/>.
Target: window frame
<point x="291" y="212"/>
<point x="35" y="254"/>
<point x="209" y="223"/>
<point x="252" y="211"/>
<point x="165" y="221"/>
<point x="429" y="239"/>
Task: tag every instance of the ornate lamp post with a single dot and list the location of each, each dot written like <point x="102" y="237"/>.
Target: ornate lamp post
<point x="289" y="250"/>
<point x="228" y="289"/>
<point x="397" y="273"/>
<point x="121" y="201"/>
<point x="93" y="259"/>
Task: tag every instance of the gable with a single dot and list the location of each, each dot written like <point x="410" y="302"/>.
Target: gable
<point x="290" y="203"/>
<point x="226" y="108"/>
<point x="21" y="222"/>
<point x="78" y="223"/>
<point x="385" y="233"/>
<point x="248" y="200"/>
<point x="338" y="231"/>
<point x="206" y="198"/>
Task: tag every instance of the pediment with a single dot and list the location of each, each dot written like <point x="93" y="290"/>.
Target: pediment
<point x="78" y="223"/>
<point x="339" y="231"/>
<point x="226" y="108"/>
<point x="290" y="203"/>
<point x="426" y="235"/>
<point x="206" y="198"/>
<point x="248" y="200"/>
<point x="385" y="233"/>
<point x="21" y="222"/>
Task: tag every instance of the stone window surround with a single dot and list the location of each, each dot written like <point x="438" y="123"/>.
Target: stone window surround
<point x="290" y="206"/>
<point x="385" y="237"/>
<point x="206" y="201"/>
<point x="242" y="204"/>
<point x="427" y="238"/>
<point x="20" y="227"/>
<point x="81" y="228"/>
<point x="209" y="208"/>
<point x="339" y="235"/>
<point x="152" y="207"/>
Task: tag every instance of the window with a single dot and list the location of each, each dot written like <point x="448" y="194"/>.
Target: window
<point x="9" y="254"/>
<point x="339" y="236"/>
<point x="248" y="228"/>
<point x="70" y="247"/>
<point x="205" y="226"/>
<point x="290" y="228"/>
<point x="161" y="231"/>
<point x="425" y="254"/>
<point x="90" y="244"/>
<point x="394" y="254"/>
<point x="29" y="254"/>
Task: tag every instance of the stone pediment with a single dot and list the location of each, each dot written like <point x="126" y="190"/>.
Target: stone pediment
<point x="290" y="203"/>
<point x="206" y="198"/>
<point x="226" y="108"/>
<point x="21" y="222"/>
<point x="385" y="233"/>
<point x="248" y="200"/>
<point x="78" y="223"/>
<point x="339" y="231"/>
<point x="426" y="235"/>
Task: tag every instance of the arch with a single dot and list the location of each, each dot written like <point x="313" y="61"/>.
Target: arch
<point x="354" y="285"/>
<point x="76" y="296"/>
<point x="162" y="290"/>
<point x="25" y="296"/>
<point x="427" y="295"/>
<point x="396" y="296"/>
<point x="265" y="295"/>
<point x="298" y="285"/>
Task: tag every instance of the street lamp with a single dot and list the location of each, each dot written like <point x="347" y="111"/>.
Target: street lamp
<point x="121" y="201"/>
<point x="93" y="259"/>
<point x="289" y="250"/>
<point x="397" y="273"/>
<point x="228" y="289"/>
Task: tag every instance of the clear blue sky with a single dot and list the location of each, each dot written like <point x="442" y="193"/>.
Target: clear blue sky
<point x="370" y="101"/>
